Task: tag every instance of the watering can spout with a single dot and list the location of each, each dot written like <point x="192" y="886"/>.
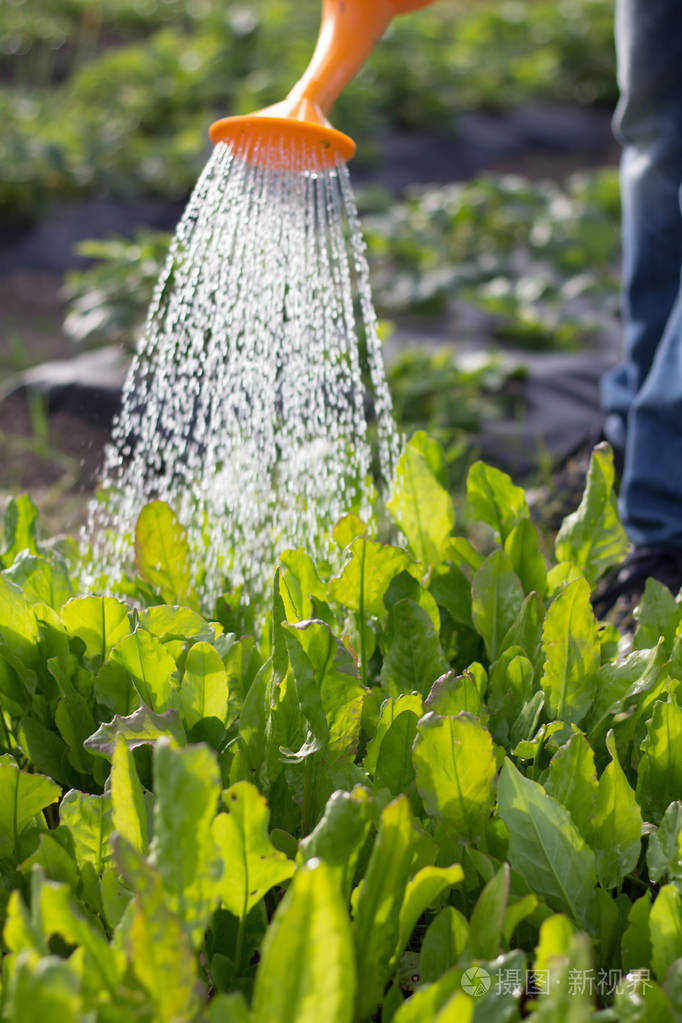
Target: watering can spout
<point x="348" y="32"/>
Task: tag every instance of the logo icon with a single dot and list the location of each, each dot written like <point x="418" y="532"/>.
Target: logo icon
<point x="475" y="981"/>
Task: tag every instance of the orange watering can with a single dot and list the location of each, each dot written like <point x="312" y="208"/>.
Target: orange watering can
<point x="348" y="33"/>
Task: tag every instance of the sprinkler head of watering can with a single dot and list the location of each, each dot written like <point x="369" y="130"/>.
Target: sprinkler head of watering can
<point x="295" y="133"/>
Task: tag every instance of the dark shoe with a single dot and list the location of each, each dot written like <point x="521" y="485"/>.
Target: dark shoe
<point x="622" y="589"/>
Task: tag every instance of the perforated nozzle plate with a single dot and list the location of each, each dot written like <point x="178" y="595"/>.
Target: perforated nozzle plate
<point x="283" y="143"/>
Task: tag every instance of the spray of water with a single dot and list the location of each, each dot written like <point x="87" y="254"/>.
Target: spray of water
<point x="245" y="407"/>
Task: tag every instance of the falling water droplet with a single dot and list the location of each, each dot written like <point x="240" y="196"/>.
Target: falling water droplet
<point x="245" y="406"/>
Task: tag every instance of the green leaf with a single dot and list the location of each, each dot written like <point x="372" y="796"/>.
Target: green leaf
<point x="495" y="499"/>
<point x="158" y="947"/>
<point x="162" y="553"/>
<point x="572" y="780"/>
<point x="376" y="922"/>
<point x="545" y="846"/>
<point x="229" y="1009"/>
<point x="496" y="599"/>
<point x="523" y="547"/>
<point x="101" y="622"/>
<point x="461" y="552"/>
<point x="204" y="691"/>
<point x="413" y="658"/>
<point x="59" y="914"/>
<point x="187" y="788"/>
<point x="307" y="972"/>
<point x="665" y="929"/>
<point x="394" y="770"/>
<point x="405" y="586"/>
<point x="20" y="528"/>
<point x="151" y="668"/>
<point x="328" y="692"/>
<point x="592" y="538"/>
<point x="664" y="849"/>
<point x="252" y="864"/>
<point x="452" y="590"/>
<point x="510" y="688"/>
<point x="129" y="813"/>
<point x="440" y="1002"/>
<point x="425" y="887"/>
<point x="561" y="997"/>
<point x="181" y="623"/>
<point x="89" y="819"/>
<point x="391" y="708"/>
<point x="43" y="990"/>
<point x="346" y="529"/>
<point x="615" y="828"/>
<point x="638" y="998"/>
<point x="54" y="860"/>
<point x="517" y="911"/>
<point x="308" y="684"/>
<point x="623" y="683"/>
<point x="659" y="779"/>
<point x="299" y="583"/>
<point x="46" y="750"/>
<point x="455" y="768"/>
<point x="364" y="579"/>
<point x="340" y="834"/>
<point x="571" y="645"/>
<point x="444" y="942"/>
<point x="23" y="797"/>
<point x="486" y="925"/>
<point x="419" y="505"/>
<point x="635" y="943"/>
<point x="138" y="729"/>
<point x="41" y="581"/>
<point x="18" y="625"/>
<point x="114" y="689"/>
<point x="658" y="615"/>
<point x="452" y="693"/>
<point x="526" y="630"/>
<point x="523" y="730"/>
<point x="73" y="718"/>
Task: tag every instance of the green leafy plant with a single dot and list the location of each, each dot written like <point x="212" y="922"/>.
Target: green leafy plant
<point x="107" y="301"/>
<point x="541" y="260"/>
<point x="428" y="785"/>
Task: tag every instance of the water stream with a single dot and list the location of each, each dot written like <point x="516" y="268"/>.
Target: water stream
<point x="245" y="407"/>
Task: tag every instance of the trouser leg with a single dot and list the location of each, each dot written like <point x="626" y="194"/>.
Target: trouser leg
<point x="646" y="390"/>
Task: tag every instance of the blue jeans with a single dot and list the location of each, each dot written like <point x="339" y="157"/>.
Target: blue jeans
<point x="644" y="394"/>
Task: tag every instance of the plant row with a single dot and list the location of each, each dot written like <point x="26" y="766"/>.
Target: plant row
<point x="424" y="783"/>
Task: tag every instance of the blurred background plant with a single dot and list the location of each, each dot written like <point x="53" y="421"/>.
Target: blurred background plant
<point x="113" y="97"/>
<point x="110" y="100"/>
